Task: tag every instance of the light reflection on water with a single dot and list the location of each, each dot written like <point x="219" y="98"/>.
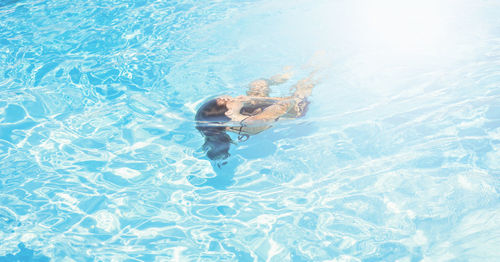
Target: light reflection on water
<point x="396" y="159"/>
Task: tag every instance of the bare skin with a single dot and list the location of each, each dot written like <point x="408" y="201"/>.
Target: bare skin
<point x="281" y="108"/>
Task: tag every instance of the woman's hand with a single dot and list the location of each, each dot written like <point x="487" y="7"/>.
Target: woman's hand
<point x="223" y="100"/>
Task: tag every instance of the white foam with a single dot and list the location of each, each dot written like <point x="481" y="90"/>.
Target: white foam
<point x="106" y="221"/>
<point x="126" y="172"/>
<point x="27" y="237"/>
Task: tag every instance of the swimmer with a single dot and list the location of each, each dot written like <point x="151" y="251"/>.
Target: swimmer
<point x="249" y="114"/>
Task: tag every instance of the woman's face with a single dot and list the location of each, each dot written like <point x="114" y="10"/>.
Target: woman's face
<point x="223" y="100"/>
<point x="233" y="105"/>
<point x="229" y="102"/>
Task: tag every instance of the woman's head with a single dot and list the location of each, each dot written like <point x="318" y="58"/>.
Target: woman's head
<point x="210" y="120"/>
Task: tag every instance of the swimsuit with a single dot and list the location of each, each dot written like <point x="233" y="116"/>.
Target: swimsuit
<point x="296" y="108"/>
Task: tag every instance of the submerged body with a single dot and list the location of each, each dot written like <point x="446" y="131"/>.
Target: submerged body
<point x="249" y="114"/>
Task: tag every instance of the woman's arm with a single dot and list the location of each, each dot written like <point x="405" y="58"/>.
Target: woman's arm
<point x="244" y="124"/>
<point x="269" y="114"/>
<point x="260" y="87"/>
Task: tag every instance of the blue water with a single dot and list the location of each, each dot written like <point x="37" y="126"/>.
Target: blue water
<point x="397" y="159"/>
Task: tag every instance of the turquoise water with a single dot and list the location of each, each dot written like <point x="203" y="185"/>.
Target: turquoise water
<point x="397" y="159"/>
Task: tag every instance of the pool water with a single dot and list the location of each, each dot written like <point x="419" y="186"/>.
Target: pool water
<point x="397" y="159"/>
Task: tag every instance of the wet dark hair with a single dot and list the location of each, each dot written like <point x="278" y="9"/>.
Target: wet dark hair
<point x="210" y="120"/>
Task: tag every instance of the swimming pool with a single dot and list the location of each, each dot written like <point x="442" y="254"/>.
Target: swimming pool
<point x="398" y="157"/>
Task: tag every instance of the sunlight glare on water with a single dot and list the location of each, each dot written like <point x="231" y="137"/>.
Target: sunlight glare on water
<point x="407" y="25"/>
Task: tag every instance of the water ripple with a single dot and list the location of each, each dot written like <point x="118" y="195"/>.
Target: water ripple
<point x="100" y="160"/>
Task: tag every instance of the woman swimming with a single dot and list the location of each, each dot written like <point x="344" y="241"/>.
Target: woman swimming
<point x="250" y="114"/>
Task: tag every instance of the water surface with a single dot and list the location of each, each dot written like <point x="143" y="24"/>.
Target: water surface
<point x="397" y="158"/>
